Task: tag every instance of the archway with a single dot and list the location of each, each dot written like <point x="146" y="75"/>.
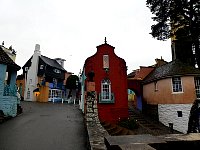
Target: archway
<point x="134" y="99"/>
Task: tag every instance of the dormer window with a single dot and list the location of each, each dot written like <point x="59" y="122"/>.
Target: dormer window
<point x="41" y="67"/>
<point x="57" y="71"/>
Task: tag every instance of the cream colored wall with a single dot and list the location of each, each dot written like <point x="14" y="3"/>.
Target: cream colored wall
<point x="164" y="94"/>
<point x="44" y="93"/>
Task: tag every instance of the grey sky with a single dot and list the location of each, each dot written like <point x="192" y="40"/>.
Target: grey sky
<point x="71" y="29"/>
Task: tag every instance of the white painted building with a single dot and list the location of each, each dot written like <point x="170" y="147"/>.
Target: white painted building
<point x="31" y="78"/>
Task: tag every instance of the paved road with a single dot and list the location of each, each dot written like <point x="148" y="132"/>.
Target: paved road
<point x="45" y="126"/>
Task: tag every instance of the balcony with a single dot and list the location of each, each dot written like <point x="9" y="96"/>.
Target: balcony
<point x="107" y="101"/>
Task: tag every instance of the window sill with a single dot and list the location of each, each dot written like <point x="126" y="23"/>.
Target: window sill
<point x="106" y="102"/>
<point x="177" y="92"/>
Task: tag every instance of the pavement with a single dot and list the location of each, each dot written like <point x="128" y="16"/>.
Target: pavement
<point x="45" y="126"/>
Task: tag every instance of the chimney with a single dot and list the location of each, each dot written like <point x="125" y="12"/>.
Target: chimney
<point x="160" y="62"/>
<point x="37" y="48"/>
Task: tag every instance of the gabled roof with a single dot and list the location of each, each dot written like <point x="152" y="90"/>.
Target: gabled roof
<point x="5" y="59"/>
<point x="141" y="73"/>
<point x="173" y="68"/>
<point x="52" y="62"/>
<point x="132" y="74"/>
<point x="106" y="44"/>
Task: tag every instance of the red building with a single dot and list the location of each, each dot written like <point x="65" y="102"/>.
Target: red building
<point x="106" y="75"/>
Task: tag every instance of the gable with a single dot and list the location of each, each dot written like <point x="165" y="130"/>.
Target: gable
<point x="6" y="60"/>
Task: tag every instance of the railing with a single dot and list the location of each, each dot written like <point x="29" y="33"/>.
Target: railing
<point x="10" y="90"/>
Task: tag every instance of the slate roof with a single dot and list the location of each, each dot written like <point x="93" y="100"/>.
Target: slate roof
<point x="173" y="68"/>
<point x="132" y="74"/>
<point x="52" y="62"/>
<point x="5" y="59"/>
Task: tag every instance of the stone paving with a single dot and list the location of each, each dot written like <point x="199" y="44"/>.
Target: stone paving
<point x="150" y="142"/>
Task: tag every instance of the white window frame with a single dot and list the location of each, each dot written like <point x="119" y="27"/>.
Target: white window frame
<point x="41" y="67"/>
<point x="155" y="86"/>
<point x="197" y="86"/>
<point x="56" y="70"/>
<point x="106" y="90"/>
<point x="177" y="86"/>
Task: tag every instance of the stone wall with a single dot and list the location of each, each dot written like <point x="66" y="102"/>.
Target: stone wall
<point x="96" y="132"/>
<point x="8" y="104"/>
<point x="177" y="114"/>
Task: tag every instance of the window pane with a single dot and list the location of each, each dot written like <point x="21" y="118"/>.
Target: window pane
<point x="177" y="86"/>
<point x="197" y="87"/>
<point x="105" y="91"/>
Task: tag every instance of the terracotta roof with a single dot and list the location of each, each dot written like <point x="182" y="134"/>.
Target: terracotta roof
<point x="173" y="68"/>
<point x="52" y="62"/>
<point x="5" y="59"/>
<point x="141" y="73"/>
<point x="144" y="71"/>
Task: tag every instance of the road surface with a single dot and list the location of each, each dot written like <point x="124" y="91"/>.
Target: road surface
<point x="45" y="126"/>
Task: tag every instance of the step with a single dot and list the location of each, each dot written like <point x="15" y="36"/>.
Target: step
<point x="117" y="131"/>
<point x="124" y="132"/>
<point x="106" y="125"/>
<point x="111" y="129"/>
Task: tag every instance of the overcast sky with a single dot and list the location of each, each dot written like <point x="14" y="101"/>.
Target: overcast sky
<point x="71" y="29"/>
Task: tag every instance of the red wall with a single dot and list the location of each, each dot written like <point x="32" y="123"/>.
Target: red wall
<point x="118" y="77"/>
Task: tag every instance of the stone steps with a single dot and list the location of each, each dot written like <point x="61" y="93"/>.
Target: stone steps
<point x="143" y="122"/>
<point x="115" y="130"/>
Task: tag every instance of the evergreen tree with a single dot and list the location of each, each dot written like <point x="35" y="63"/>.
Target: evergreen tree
<point x="71" y="82"/>
<point x="179" y="20"/>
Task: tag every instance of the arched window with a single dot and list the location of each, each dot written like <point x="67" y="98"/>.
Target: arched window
<point x="105" y="90"/>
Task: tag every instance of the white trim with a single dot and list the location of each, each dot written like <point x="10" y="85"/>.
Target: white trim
<point x="197" y="86"/>
<point x="109" y="90"/>
<point x="179" y="92"/>
<point x="41" y="67"/>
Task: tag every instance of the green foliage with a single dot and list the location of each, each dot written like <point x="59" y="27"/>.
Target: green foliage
<point x="71" y="82"/>
<point x="179" y="19"/>
<point x="170" y="14"/>
<point x="129" y="124"/>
